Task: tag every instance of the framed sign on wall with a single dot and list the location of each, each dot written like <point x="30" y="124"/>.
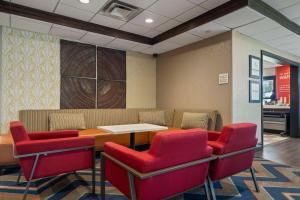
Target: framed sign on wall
<point x="254" y="91"/>
<point x="254" y="67"/>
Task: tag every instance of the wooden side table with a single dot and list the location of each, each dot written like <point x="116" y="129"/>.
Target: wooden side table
<point x="6" y="152"/>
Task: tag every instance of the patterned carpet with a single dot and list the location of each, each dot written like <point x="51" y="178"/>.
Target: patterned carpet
<point x="276" y="181"/>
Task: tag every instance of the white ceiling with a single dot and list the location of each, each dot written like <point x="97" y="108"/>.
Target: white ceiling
<point x="280" y="4"/>
<point x="29" y="24"/>
<point x="166" y="15"/>
<point x="4" y="19"/>
<point x="272" y="33"/>
<point x="67" y="32"/>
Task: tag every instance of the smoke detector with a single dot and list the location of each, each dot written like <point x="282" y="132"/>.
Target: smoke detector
<point x="120" y="10"/>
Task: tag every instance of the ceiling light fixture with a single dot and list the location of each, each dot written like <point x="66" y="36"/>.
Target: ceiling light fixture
<point x="84" y="1"/>
<point x="149" y="20"/>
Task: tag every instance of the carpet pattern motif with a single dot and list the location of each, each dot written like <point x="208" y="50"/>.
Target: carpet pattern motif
<point x="276" y="181"/>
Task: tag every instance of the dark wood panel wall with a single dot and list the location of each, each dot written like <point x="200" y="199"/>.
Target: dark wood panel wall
<point x="111" y="78"/>
<point x="92" y="77"/>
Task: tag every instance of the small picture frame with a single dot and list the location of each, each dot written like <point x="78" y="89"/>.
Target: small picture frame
<point x="223" y="78"/>
<point x="254" y="67"/>
<point x="254" y="91"/>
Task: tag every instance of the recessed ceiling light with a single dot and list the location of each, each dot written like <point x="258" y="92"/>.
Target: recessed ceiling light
<point x="84" y="1"/>
<point x="149" y="20"/>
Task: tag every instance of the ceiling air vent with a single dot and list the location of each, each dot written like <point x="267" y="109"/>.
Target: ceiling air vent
<point x="120" y="10"/>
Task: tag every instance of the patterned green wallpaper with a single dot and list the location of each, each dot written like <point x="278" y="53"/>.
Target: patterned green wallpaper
<point x="30" y="73"/>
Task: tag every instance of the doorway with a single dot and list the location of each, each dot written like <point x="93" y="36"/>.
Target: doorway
<point x="280" y="98"/>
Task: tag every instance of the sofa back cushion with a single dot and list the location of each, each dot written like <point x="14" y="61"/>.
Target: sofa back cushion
<point x="152" y="117"/>
<point x="66" y="121"/>
<point x="38" y="120"/>
<point x="194" y="120"/>
<point x="212" y="117"/>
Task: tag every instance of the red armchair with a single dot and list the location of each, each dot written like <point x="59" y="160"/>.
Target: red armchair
<point x="235" y="148"/>
<point x="47" y="154"/>
<point x="176" y="161"/>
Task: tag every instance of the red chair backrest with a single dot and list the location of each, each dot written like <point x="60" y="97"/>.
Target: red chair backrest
<point x="18" y="131"/>
<point x="180" y="146"/>
<point x="238" y="136"/>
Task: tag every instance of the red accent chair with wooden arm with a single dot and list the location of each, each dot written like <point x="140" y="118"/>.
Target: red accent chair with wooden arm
<point x="176" y="161"/>
<point x="45" y="154"/>
<point x="235" y="148"/>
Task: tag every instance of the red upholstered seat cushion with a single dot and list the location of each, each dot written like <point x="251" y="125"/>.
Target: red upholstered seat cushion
<point x="213" y="135"/>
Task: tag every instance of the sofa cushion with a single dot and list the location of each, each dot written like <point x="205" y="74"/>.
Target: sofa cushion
<point x="212" y="117"/>
<point x="38" y="120"/>
<point x="194" y="120"/>
<point x="66" y="121"/>
<point x="152" y="117"/>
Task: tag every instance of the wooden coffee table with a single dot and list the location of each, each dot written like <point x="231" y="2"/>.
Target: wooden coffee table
<point x="132" y="129"/>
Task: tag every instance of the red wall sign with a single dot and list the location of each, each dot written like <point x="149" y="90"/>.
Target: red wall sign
<point x="283" y="83"/>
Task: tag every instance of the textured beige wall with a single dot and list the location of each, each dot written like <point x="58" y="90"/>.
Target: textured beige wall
<point x="188" y="77"/>
<point x="243" y="46"/>
<point x="141" y="80"/>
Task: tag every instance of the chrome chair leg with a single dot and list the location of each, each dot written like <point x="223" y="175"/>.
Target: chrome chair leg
<point x="132" y="186"/>
<point x="206" y="190"/>
<point x="102" y="178"/>
<point x="19" y="177"/>
<point x="254" y="179"/>
<point x="31" y="176"/>
<point x="94" y="171"/>
<point x="211" y="187"/>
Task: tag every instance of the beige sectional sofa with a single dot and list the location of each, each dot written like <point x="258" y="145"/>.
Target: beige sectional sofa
<point x="38" y="120"/>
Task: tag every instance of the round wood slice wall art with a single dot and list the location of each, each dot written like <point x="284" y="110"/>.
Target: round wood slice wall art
<point x="77" y="93"/>
<point x="111" y="94"/>
<point x="78" y="60"/>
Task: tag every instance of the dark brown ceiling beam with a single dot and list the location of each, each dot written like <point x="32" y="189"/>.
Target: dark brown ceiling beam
<point x="28" y="12"/>
<point x="273" y="14"/>
<point x="209" y="16"/>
